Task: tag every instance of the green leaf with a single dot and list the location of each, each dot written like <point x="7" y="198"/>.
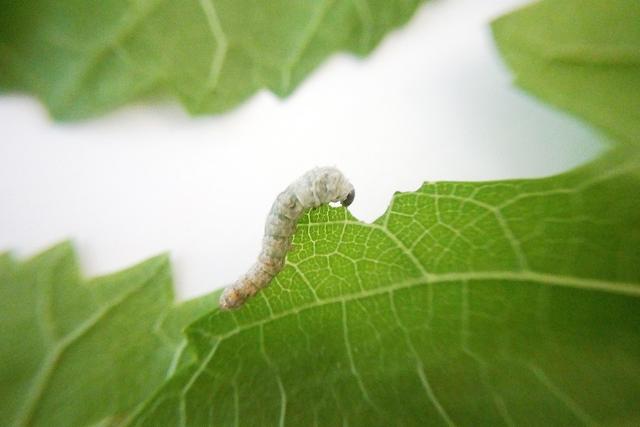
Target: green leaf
<point x="513" y="302"/>
<point x="580" y="55"/>
<point x="83" y="58"/>
<point x="75" y="352"/>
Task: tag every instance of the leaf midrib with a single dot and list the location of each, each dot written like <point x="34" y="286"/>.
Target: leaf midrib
<point x="51" y="360"/>
<point x="548" y="279"/>
<point x="580" y="283"/>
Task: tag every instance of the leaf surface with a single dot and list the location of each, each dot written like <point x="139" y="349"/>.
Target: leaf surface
<point x="490" y="303"/>
<point x="511" y="302"/>
<point x="580" y="55"/>
<point x="74" y="352"/>
<point x="83" y="58"/>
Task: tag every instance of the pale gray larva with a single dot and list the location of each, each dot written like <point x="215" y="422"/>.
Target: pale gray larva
<point x="317" y="187"/>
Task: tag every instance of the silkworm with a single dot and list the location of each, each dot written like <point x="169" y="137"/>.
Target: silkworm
<point x="317" y="187"/>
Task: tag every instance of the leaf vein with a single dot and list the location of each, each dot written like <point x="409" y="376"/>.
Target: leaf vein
<point x="52" y="359"/>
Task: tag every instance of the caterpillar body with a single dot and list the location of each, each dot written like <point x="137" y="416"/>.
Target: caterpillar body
<point x="317" y="187"/>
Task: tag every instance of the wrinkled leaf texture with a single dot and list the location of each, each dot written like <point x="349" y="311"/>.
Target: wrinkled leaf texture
<point x="491" y="303"/>
<point x="511" y="302"/>
<point x="83" y="58"/>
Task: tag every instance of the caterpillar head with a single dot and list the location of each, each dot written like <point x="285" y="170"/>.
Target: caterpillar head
<point x="331" y="185"/>
<point x="323" y="185"/>
<point x="338" y="187"/>
<point x="349" y="199"/>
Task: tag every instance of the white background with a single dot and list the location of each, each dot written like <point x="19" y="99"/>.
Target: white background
<point x="433" y="102"/>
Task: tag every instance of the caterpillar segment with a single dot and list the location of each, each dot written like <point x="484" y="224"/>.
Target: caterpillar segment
<point x="317" y="187"/>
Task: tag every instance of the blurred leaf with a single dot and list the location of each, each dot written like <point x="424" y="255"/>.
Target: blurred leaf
<point x="74" y="352"/>
<point x="580" y="55"/>
<point x="86" y="57"/>
<point x="511" y="302"/>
